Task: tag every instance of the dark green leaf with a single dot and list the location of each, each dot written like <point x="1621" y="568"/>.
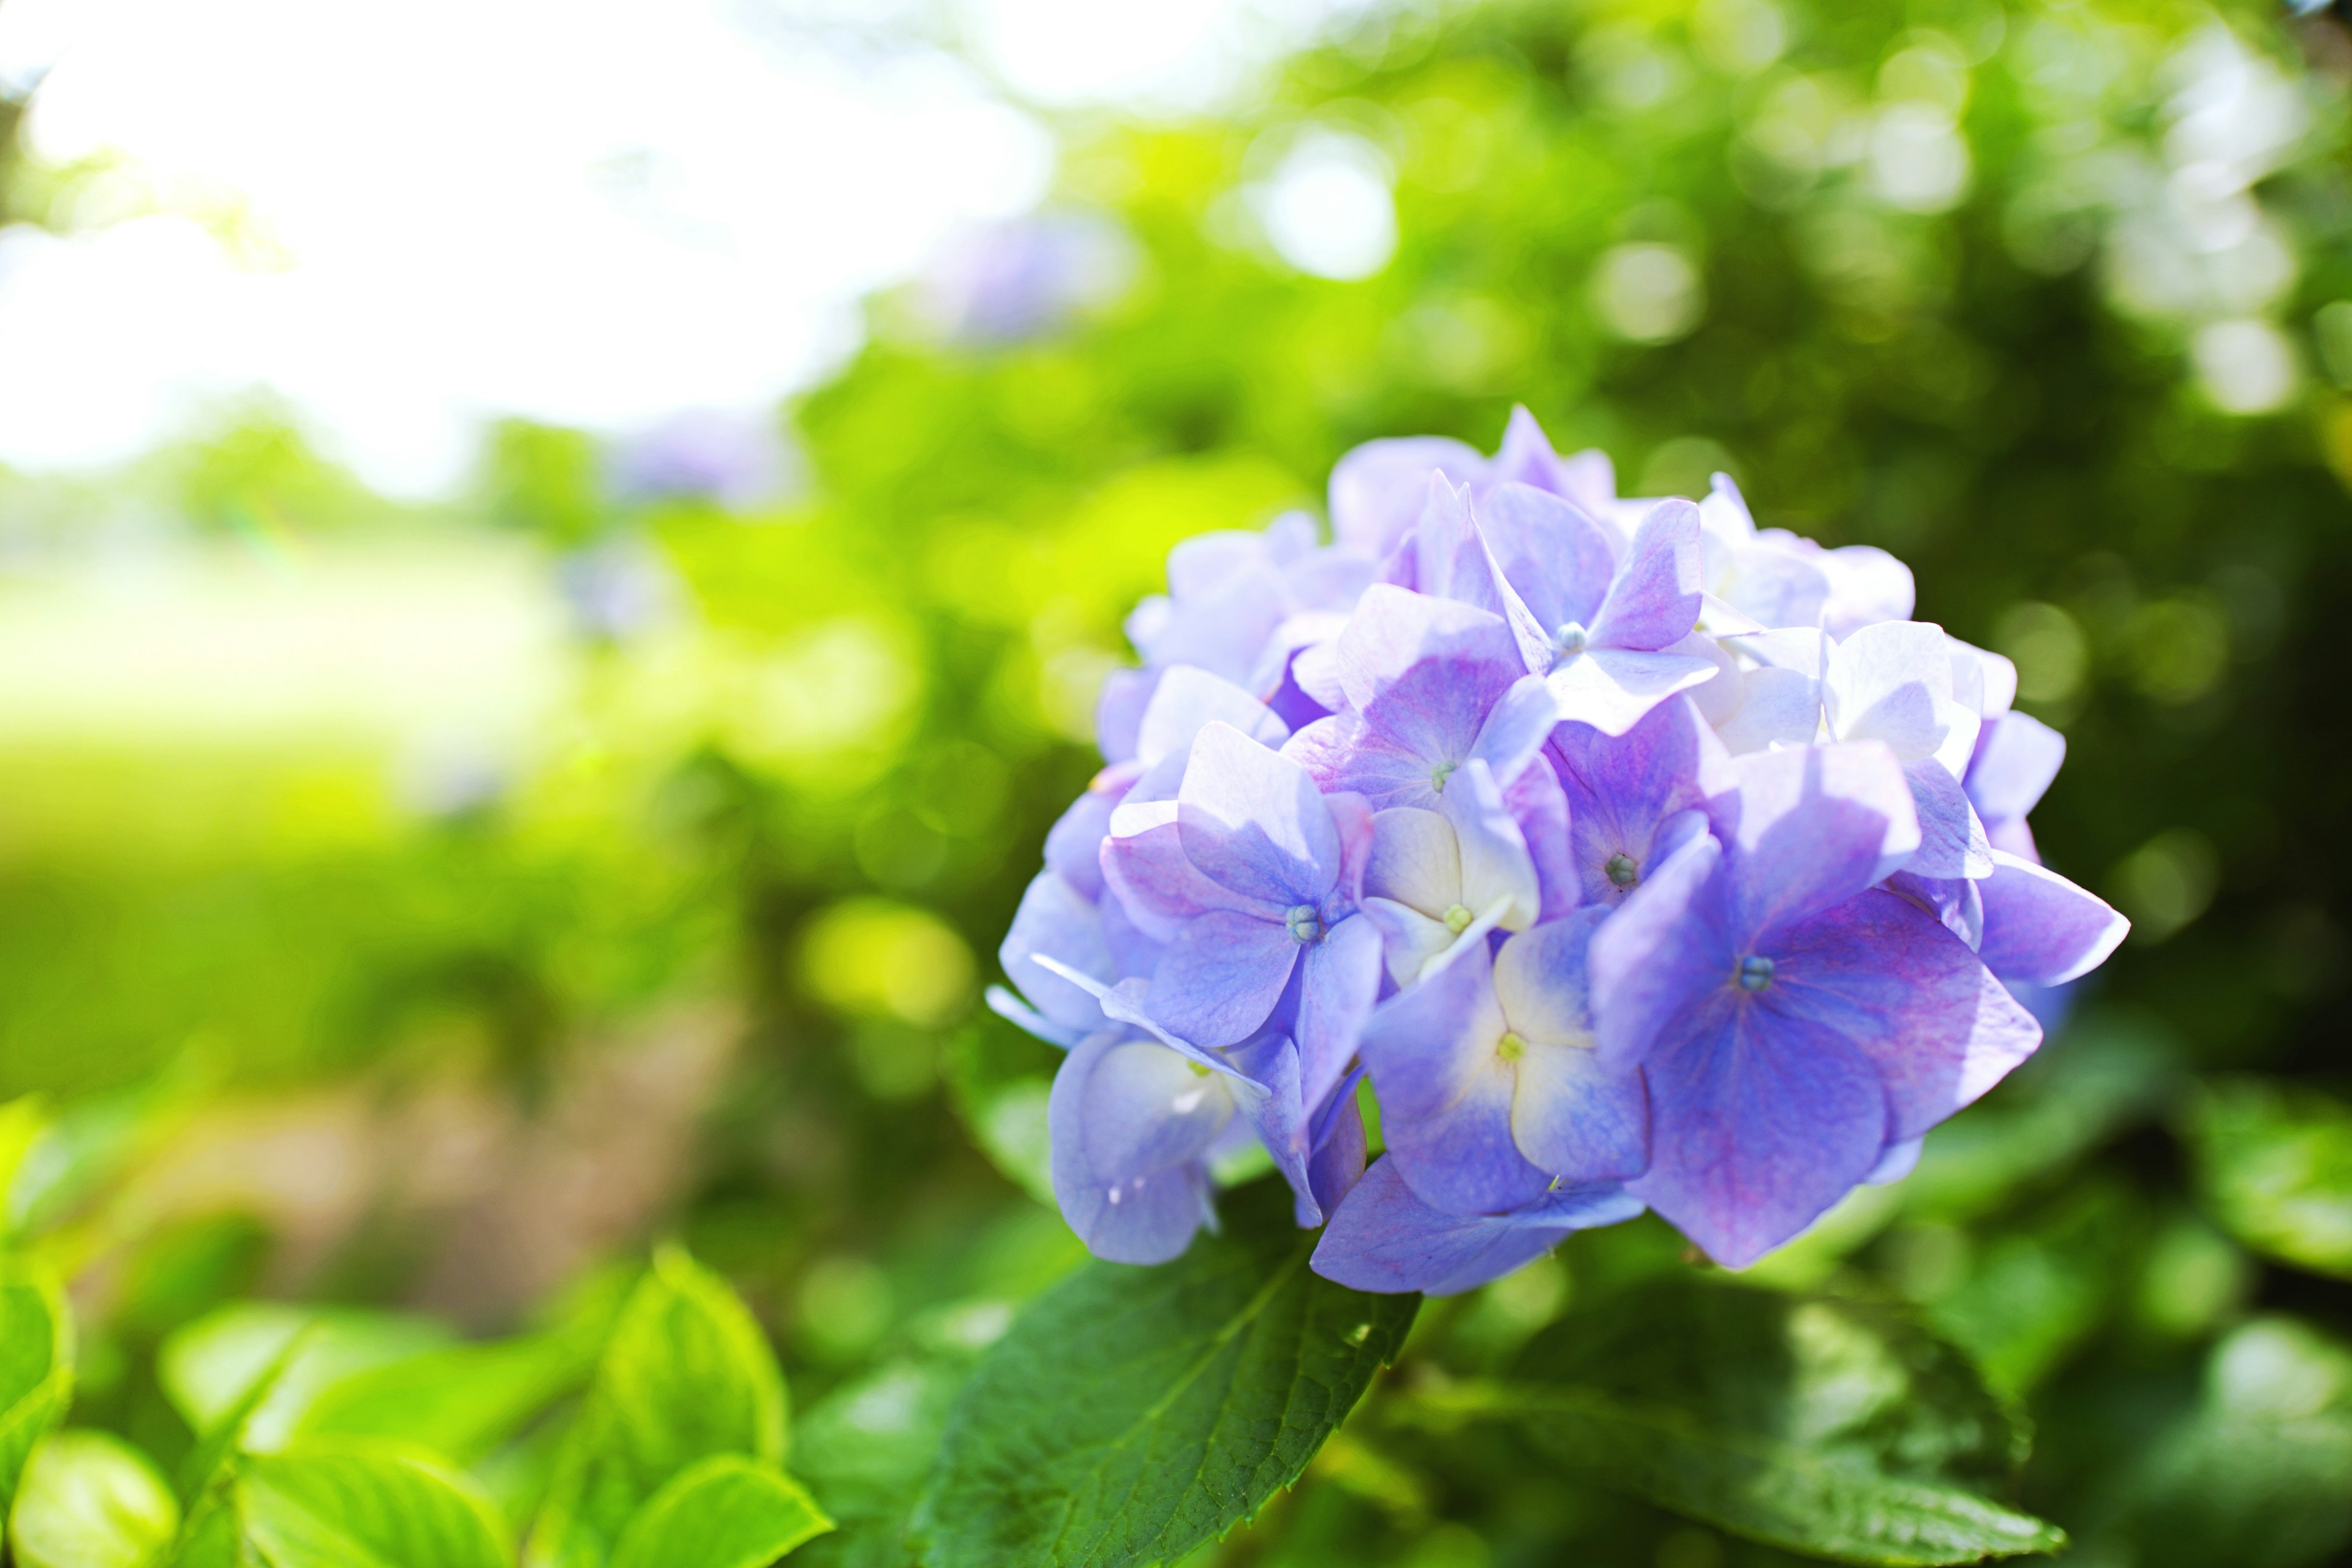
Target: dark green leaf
<point x="1828" y="1425"/>
<point x="365" y="1506"/>
<point x="88" y="1499"/>
<point x="866" y="1450"/>
<point x="726" y="1512"/>
<point x="2275" y="1164"/>
<point x="1132" y="1413"/>
<point x="686" y="1375"/>
<point x="36" y="1365"/>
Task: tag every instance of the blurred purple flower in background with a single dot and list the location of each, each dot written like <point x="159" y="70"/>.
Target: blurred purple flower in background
<point x="733" y="460"/>
<point x="1001" y="282"/>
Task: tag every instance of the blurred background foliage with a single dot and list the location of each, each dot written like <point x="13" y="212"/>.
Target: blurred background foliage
<point x="420" y="906"/>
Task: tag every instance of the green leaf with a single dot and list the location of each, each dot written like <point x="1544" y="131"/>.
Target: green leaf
<point x="88" y="1499"/>
<point x="2257" y="1474"/>
<point x="726" y="1512"/>
<point x="2275" y="1165"/>
<point x="460" y="1401"/>
<point x="36" y="1365"/>
<point x="22" y="1123"/>
<point x="365" y="1506"/>
<point x="208" y="1366"/>
<point x="1131" y="1415"/>
<point x="1828" y="1425"/>
<point x="686" y="1375"/>
<point x="866" y="1450"/>
<point x="206" y="1473"/>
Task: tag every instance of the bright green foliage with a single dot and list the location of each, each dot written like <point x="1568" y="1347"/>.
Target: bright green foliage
<point x="1827" y="1426"/>
<point x="36" y="1365"/>
<point x="459" y="1401"/>
<point x="2278" y="1170"/>
<point x="90" y="1501"/>
<point x="686" y="1375"/>
<point x="1133" y="1413"/>
<point x="364" y="1506"/>
<point x="726" y="1511"/>
<point x="209" y="1366"/>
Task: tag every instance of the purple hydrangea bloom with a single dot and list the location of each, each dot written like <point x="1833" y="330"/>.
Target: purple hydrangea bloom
<point x="1625" y="853"/>
<point x="1794" y="1024"/>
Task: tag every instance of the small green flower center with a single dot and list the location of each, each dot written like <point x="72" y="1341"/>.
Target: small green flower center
<point x="1304" y="923"/>
<point x="1755" y="972"/>
<point x="1511" y="1047"/>
<point x="1198" y="1070"/>
<point x="1439" y="774"/>
<point x="1459" y="918"/>
<point x="1623" y="869"/>
<point x="1570" y="638"/>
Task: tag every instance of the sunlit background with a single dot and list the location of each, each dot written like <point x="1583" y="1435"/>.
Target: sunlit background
<point x="555" y="563"/>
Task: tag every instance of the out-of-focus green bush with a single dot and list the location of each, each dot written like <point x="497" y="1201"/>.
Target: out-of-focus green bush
<point x="2052" y="300"/>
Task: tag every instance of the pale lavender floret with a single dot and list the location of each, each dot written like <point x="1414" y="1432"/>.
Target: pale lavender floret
<point x="1382" y="1238"/>
<point x="1235" y="606"/>
<point x="1130" y="1122"/>
<point x="1429" y="684"/>
<point x="1793" y="1024"/>
<point x="1489" y="1084"/>
<point x="1440" y="879"/>
<point x="1249" y="874"/>
<point x="1635" y="798"/>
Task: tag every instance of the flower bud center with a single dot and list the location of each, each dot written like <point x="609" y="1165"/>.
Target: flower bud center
<point x="1511" y="1047"/>
<point x="1459" y="918"/>
<point x="1439" y="774"/>
<point x="1304" y="923"/>
<point x="1570" y="638"/>
<point x="1624" y="870"/>
<point x="1755" y="972"/>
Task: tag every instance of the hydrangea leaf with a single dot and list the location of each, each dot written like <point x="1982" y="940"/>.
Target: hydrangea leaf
<point x="1133" y="1413"/>
<point x="686" y="1375"/>
<point x="865" y="1451"/>
<point x="36" y="1365"/>
<point x="1827" y="1426"/>
<point x="360" y="1505"/>
<point x="2275" y="1167"/>
<point x="206" y="1367"/>
<point x="88" y="1499"/>
<point x="726" y="1511"/>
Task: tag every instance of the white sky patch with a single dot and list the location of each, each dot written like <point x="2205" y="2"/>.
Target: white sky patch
<point x="596" y="212"/>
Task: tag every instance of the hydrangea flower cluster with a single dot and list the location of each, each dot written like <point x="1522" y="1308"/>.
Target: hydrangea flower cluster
<point x="1638" y="857"/>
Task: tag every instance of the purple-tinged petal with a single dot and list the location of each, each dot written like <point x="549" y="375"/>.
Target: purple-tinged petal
<point x="1807" y="829"/>
<point x="1772" y="586"/>
<point x="1952" y="842"/>
<point x="1655" y="601"/>
<point x="1956" y="902"/>
<point x="1897" y="1161"/>
<point x="1724" y="512"/>
<point x="1338" y="1161"/>
<point x="1221" y="629"/>
<point x="1559" y="560"/>
<point x="1148" y="1110"/>
<point x="1124" y="1217"/>
<point x="1252" y="820"/>
<point x="1446" y="1089"/>
<point x="1757" y="1124"/>
<point x="1124" y="1004"/>
<point x="1526" y="456"/>
<point x="1571" y="1117"/>
<point x="1279" y="1117"/>
<point x="1883" y="973"/>
<point x="1666" y="944"/>
<point x="1516" y="728"/>
<point x="1867" y="585"/>
<point x="1221" y="977"/>
<point x="1778" y="709"/>
<point x="1613" y="689"/>
<point x="1490" y="848"/>
<point x="1410" y="940"/>
<point x="1027" y="1019"/>
<point x="2017" y="755"/>
<point x="1538" y="804"/>
<point x="1446" y="557"/>
<point x="2040" y="928"/>
<point x="1383" y="1237"/>
<point x="1416" y="860"/>
<point x="1144" y="867"/>
<point x="1133" y="953"/>
<point x="1339" y="982"/>
<point x="1379" y="488"/>
<point x="1623" y="789"/>
<point x="1056" y="920"/>
<point x="1589" y="480"/>
<point x="1315" y="670"/>
<point x="1395" y="631"/>
<point x="1189" y="699"/>
<point x="1074" y="843"/>
<point x="1119" y="712"/>
<point x="1893" y="682"/>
